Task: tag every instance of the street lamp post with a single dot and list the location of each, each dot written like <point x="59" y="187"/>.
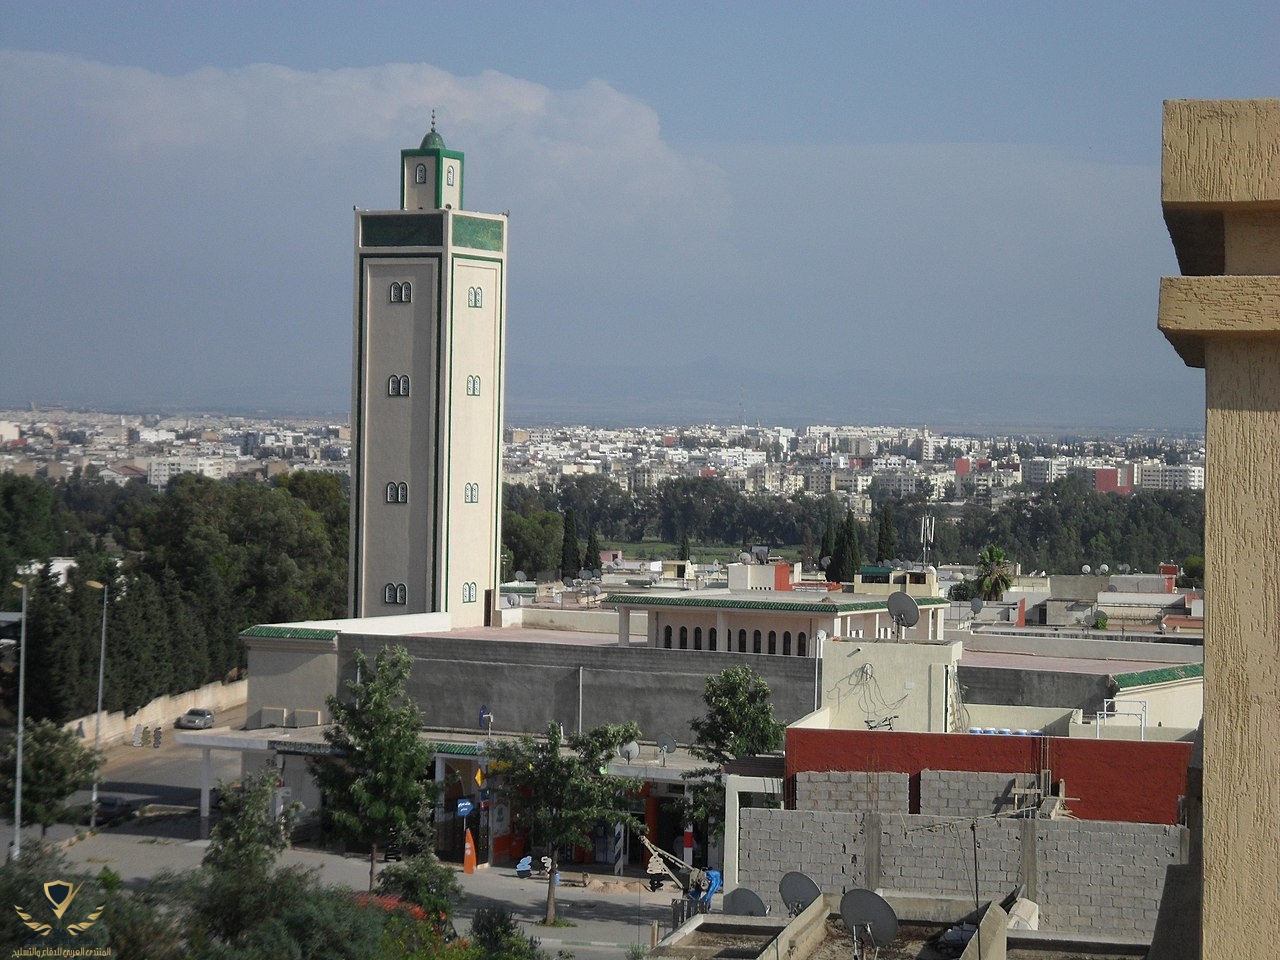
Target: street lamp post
<point x="97" y="719"/>
<point x="22" y="691"/>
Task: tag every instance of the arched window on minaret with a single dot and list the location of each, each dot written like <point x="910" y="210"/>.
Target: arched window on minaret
<point x="406" y="290"/>
<point x="404" y="386"/>
<point x="396" y="293"/>
<point x="389" y="593"/>
<point x="420" y="173"/>
<point x="448" y="175"/>
<point x="393" y="386"/>
<point x="391" y="493"/>
<point x="402" y="593"/>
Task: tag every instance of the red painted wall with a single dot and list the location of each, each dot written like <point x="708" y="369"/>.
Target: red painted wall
<point x="1129" y="781"/>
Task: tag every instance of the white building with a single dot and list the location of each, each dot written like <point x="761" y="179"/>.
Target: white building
<point x="427" y="384"/>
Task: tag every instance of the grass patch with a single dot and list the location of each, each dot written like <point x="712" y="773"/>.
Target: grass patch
<point x="557" y="922"/>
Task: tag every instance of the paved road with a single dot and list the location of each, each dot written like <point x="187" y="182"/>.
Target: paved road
<point x="606" y="921"/>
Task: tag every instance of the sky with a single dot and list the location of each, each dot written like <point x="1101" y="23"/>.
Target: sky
<point x="919" y="213"/>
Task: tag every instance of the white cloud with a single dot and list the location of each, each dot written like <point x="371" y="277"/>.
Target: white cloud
<point x="197" y="229"/>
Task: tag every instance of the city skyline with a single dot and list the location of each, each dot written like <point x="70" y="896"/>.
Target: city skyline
<point x="721" y="213"/>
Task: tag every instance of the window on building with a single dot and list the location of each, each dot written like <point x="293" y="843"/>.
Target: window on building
<point x="469" y="592"/>
<point x="742" y="641"/>
<point x="471" y="493"/>
<point x="402" y="593"/>
<point x="393" y="386"/>
<point x="396" y="593"/>
<point x="473" y="386"/>
<point x="666" y="637"/>
<point x="786" y="643"/>
<point x="697" y="638"/>
<point x="420" y="173"/>
<point x="396" y="293"/>
<point x="801" y="648"/>
<point x="406" y="291"/>
<point x="402" y="493"/>
<point x="711" y="639"/>
<point x="389" y="593"/>
<point x="391" y="493"/>
<point x="475" y="297"/>
<point x="684" y="638"/>
<point x="404" y="386"/>
<point x="755" y="641"/>
<point x="448" y="175"/>
<point x="773" y="641"/>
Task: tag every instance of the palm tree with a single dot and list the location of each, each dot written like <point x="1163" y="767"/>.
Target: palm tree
<point x="995" y="573"/>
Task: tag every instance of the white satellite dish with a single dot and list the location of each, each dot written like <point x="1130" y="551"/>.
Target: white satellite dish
<point x="820" y="635"/>
<point x="629" y="751"/>
<point x="513" y="600"/>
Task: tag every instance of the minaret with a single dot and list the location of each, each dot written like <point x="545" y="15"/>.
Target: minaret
<point x="427" y="383"/>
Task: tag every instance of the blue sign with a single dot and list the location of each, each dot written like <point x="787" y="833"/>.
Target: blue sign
<point x="465" y="806"/>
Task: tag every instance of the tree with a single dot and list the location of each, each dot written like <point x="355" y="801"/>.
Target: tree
<point x="376" y="779"/>
<point x="54" y="766"/>
<point x="570" y="555"/>
<point x="846" y="559"/>
<point x="739" y="722"/>
<point x="887" y="536"/>
<point x="591" y="555"/>
<point x="685" y="549"/>
<point x="995" y="573"/>
<point x="251" y="832"/>
<point x="560" y="795"/>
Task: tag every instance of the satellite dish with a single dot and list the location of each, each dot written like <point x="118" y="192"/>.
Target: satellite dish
<point x="584" y="574"/>
<point x="744" y="557"/>
<point x="513" y="600"/>
<point x="593" y="590"/>
<point x="798" y="891"/>
<point x="743" y="902"/>
<point x="904" y="609"/>
<point x="595" y="574"/>
<point x="820" y="635"/>
<point x="666" y="743"/>
<point x="1112" y="588"/>
<point x="520" y="576"/>
<point x="824" y="562"/>
<point x="975" y="604"/>
<point x="629" y="751"/>
<point x="1086" y="569"/>
<point x="1125" y="568"/>
<point x="567" y="581"/>
<point x="1104" y="569"/>
<point x="869" y="915"/>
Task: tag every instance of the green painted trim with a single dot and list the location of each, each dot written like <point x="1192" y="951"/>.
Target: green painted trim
<point x="275" y="631"/>
<point x="1146" y="678"/>
<point x="478" y="234"/>
<point x="419" y="228"/>
<point x="525" y="590"/>
<point x="455" y="749"/>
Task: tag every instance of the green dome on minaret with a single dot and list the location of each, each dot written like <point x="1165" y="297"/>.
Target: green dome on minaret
<point x="433" y="140"/>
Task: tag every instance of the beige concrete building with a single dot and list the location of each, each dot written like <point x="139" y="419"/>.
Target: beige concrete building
<point x="427" y="384"/>
<point x="1221" y="197"/>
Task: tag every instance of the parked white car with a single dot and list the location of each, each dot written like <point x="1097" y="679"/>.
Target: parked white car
<point x="197" y="718"/>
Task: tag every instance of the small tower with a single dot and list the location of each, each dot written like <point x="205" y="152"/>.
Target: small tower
<point x="431" y="176"/>
<point x="427" y="383"/>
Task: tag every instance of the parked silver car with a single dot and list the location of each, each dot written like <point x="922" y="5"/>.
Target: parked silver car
<point x="197" y="718"/>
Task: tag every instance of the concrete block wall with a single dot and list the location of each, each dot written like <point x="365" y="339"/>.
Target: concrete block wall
<point x="830" y="847"/>
<point x="961" y="793"/>
<point x="934" y="855"/>
<point x="851" y="791"/>
<point x="1103" y="876"/>
<point x="1087" y="876"/>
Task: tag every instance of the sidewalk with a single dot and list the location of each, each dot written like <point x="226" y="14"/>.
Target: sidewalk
<point x="608" y="914"/>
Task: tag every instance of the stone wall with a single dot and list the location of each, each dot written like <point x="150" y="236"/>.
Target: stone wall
<point x="854" y="790"/>
<point x="1087" y="876"/>
<point x="959" y="793"/>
